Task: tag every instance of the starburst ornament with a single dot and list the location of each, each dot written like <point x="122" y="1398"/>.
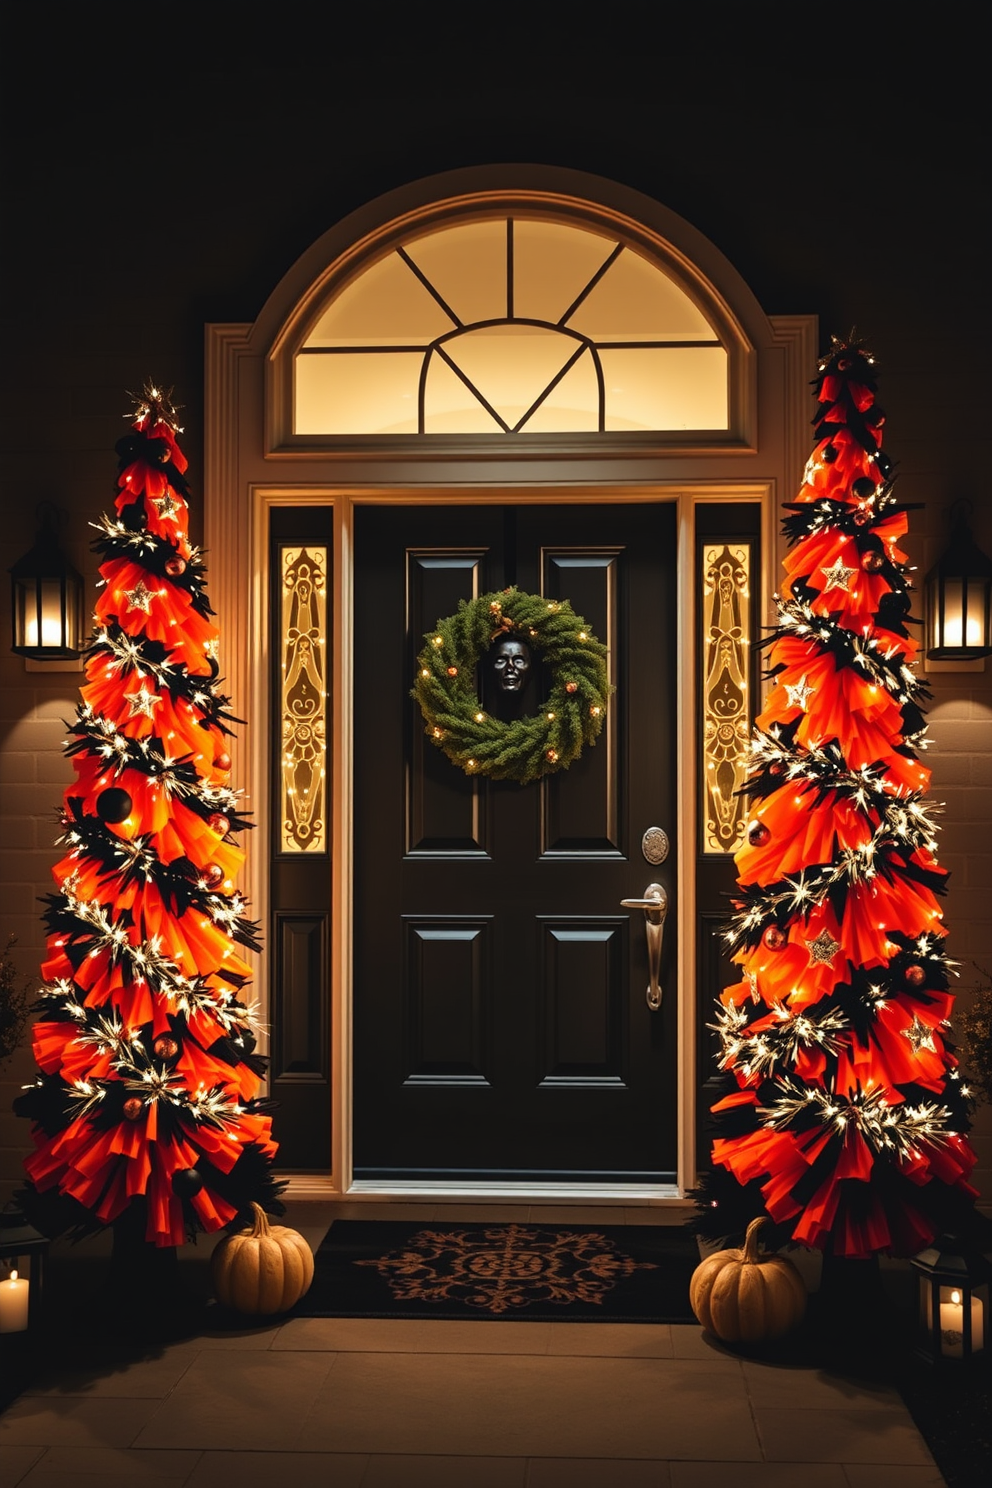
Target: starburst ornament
<point x="751" y="977"/>
<point x="798" y="693"/>
<point x="920" y="1035"/>
<point x="140" y="598"/>
<point x="823" y="949"/>
<point x="839" y="576"/>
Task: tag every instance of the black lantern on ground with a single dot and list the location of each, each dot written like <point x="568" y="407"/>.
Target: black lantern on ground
<point x="20" y="1296"/>
<point x="958" y="593"/>
<point x="47" y="595"/>
<point x="954" y="1303"/>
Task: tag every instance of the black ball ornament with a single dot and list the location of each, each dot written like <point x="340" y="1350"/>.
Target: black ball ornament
<point x="863" y="487"/>
<point x="758" y="834"/>
<point x="186" y="1182"/>
<point x="829" y="453"/>
<point x="113" y="804"/>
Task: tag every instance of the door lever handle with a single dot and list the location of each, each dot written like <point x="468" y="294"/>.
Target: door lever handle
<point x="655" y="907"/>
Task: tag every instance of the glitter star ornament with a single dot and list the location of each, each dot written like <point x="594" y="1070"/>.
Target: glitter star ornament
<point x="140" y="597"/>
<point x="841" y="1118"/>
<point x="920" y="1035"/>
<point x="167" y="506"/>
<point x="142" y="704"/>
<point x="799" y="693"/>
<point x="838" y="576"/>
<point x="823" y="949"/>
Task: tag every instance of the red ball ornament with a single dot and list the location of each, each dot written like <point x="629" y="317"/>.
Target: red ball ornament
<point x="915" y="975"/>
<point x="214" y="875"/>
<point x="133" y="1107"/>
<point x="862" y="517"/>
<point x="872" y="561"/>
<point x="758" y="834"/>
<point x="222" y="761"/>
<point x="175" y="566"/>
<point x="218" y="822"/>
<point x="777" y="768"/>
<point x="165" y="1047"/>
<point x="774" y="938"/>
<point x="571" y="686"/>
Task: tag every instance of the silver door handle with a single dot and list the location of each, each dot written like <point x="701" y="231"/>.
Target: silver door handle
<point x="655" y="907"/>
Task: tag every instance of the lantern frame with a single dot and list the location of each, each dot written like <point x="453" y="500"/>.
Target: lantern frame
<point x="953" y="1287"/>
<point x="959" y="590"/>
<point x="18" y="1238"/>
<point x="46" y="600"/>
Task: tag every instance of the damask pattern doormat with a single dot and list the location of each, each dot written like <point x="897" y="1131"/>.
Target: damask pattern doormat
<point x="503" y="1272"/>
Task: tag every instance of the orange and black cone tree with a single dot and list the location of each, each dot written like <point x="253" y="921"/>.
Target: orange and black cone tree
<point x="844" y="1114"/>
<point x="146" y="1110"/>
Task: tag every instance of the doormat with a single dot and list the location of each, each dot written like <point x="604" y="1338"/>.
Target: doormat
<point x="503" y="1272"/>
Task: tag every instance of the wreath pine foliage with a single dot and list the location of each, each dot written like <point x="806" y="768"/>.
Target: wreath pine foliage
<point x="526" y="748"/>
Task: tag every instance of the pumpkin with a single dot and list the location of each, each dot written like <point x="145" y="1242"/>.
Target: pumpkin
<point x="262" y="1269"/>
<point x="746" y="1297"/>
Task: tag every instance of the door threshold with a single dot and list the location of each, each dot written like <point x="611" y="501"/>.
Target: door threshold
<point x="564" y="1193"/>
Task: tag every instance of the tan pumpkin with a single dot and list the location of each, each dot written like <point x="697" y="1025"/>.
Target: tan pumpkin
<point x="263" y="1269"/>
<point x="744" y="1296"/>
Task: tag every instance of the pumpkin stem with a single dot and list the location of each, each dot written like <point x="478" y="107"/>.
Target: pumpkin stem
<point x="260" y="1227"/>
<point x="751" y="1239"/>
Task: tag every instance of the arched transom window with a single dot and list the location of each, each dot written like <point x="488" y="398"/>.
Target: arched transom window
<point x="513" y="325"/>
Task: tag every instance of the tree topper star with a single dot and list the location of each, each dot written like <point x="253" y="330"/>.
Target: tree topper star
<point x="920" y="1035"/>
<point x="838" y="577"/>
<point x="823" y="949"/>
<point x="140" y="598"/>
<point x="798" y="693"/>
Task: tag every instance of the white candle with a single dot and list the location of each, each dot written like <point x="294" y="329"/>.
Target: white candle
<point x="952" y="1325"/>
<point x="13" y="1304"/>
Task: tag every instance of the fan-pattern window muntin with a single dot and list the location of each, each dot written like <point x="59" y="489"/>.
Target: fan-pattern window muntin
<point x="414" y="325"/>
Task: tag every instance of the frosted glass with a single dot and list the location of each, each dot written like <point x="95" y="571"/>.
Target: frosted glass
<point x="666" y="388"/>
<point x="450" y="407"/>
<point x="511" y="365"/>
<point x="552" y="264"/>
<point x="385" y="306"/>
<point x="358" y="393"/>
<point x="572" y="406"/>
<point x="467" y="267"/>
<point x="635" y="301"/>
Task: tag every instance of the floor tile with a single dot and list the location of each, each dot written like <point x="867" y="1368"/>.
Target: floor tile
<point x="847" y="1435"/>
<point x="814" y="1389"/>
<point x="50" y="1422"/>
<point x="757" y="1475"/>
<point x="689" y="1341"/>
<point x="399" y="1471"/>
<point x="414" y="1336"/>
<point x="17" y="1461"/>
<point x="871" y="1475"/>
<point x="531" y="1406"/>
<point x="91" y="1467"/>
<point x="254" y="1336"/>
<point x="612" y="1340"/>
<point x="253" y="1401"/>
<point x="575" y="1472"/>
<point x="266" y="1469"/>
<point x="151" y="1378"/>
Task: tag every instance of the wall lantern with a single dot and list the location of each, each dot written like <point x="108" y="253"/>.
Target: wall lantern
<point x="954" y="1303"/>
<point x="21" y="1297"/>
<point x="958" y="594"/>
<point x="47" y="595"/>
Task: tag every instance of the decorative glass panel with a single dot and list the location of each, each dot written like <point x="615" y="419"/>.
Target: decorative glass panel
<point x="514" y="326"/>
<point x="303" y="704"/>
<point x="726" y="639"/>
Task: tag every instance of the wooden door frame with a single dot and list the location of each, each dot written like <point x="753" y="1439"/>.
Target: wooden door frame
<point x="254" y="774"/>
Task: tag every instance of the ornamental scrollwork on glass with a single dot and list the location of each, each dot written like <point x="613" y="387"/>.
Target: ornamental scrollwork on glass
<point x="726" y="639"/>
<point x="303" y="704"/>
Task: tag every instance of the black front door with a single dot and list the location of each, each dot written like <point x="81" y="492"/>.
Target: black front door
<point x="501" y="1026"/>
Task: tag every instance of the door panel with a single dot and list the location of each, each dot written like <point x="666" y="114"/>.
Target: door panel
<point x="501" y="1027"/>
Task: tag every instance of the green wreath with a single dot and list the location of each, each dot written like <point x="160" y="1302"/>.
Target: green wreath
<point x="529" y="747"/>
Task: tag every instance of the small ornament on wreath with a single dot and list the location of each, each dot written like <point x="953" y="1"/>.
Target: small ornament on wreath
<point x="512" y="624"/>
